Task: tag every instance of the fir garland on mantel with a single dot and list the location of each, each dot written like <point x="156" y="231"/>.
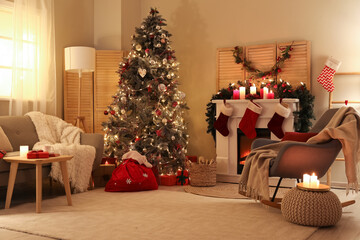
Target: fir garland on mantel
<point x="256" y="73"/>
<point x="282" y="89"/>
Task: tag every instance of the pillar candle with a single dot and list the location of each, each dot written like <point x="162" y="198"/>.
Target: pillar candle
<point x="265" y="92"/>
<point x="270" y="95"/>
<point x="306" y="180"/>
<point x="23" y="151"/>
<point x="313" y="180"/>
<point x="242" y="92"/>
<point x="236" y="94"/>
<point x="253" y="89"/>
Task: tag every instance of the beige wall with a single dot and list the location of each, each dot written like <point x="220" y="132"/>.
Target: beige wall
<point x="74" y="26"/>
<point x="199" y="27"/>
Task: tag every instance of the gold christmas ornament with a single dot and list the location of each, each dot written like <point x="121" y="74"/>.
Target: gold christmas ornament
<point x="138" y="47"/>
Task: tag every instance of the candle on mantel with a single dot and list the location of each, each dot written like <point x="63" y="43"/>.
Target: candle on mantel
<point x="236" y="94"/>
<point x="242" y="92"/>
<point x="253" y="89"/>
<point x="270" y="95"/>
<point x="265" y="92"/>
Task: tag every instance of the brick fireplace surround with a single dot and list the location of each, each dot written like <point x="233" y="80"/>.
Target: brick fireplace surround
<point x="227" y="147"/>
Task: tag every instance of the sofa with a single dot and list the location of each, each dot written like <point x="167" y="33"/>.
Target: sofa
<point x="20" y="130"/>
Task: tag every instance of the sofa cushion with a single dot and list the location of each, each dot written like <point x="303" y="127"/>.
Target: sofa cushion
<point x="4" y="142"/>
<point x="20" y="130"/>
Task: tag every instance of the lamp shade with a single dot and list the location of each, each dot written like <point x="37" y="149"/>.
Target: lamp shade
<point x="79" y="59"/>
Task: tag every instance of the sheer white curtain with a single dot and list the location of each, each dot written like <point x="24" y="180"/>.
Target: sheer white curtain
<point x="33" y="85"/>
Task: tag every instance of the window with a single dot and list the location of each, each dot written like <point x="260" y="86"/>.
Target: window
<point x="6" y="47"/>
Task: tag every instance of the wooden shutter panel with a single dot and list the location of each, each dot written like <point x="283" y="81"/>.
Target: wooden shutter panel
<point x="106" y="83"/>
<point x="71" y="95"/>
<point x="262" y="57"/>
<point x="227" y="70"/>
<point x="296" y="69"/>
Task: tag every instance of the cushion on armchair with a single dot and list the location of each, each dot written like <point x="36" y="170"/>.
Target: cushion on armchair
<point x="298" y="136"/>
<point x="4" y="142"/>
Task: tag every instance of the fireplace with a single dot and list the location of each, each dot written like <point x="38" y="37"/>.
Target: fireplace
<point x="227" y="147"/>
<point x="244" y="145"/>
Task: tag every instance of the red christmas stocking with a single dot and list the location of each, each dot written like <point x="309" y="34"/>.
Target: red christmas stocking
<point x="327" y="74"/>
<point x="275" y="124"/>
<point x="248" y="121"/>
<point x="221" y="122"/>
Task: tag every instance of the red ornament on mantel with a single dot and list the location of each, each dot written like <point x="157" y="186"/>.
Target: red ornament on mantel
<point x="112" y="112"/>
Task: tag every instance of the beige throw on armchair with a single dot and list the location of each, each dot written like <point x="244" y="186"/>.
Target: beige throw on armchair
<point x="344" y="126"/>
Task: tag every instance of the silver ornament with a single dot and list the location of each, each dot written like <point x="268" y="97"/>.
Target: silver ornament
<point x="158" y="45"/>
<point x="142" y="26"/>
<point x="162" y="87"/>
<point x="164" y="61"/>
<point x="173" y="138"/>
<point x="157" y="27"/>
<point x="164" y="121"/>
<point x="123" y="111"/>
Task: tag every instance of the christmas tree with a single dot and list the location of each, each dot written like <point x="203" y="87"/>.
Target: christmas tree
<point x="147" y="111"/>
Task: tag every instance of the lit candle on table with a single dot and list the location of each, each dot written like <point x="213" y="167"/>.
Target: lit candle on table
<point x="236" y="94"/>
<point x="23" y="151"/>
<point x="253" y="89"/>
<point x="306" y="180"/>
<point x="314" y="182"/>
<point x="242" y="92"/>
<point x="265" y="92"/>
<point x="270" y="95"/>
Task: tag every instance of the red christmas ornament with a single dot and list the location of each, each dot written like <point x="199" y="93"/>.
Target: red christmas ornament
<point x="147" y="50"/>
<point x="151" y="36"/>
<point x="149" y="89"/>
<point x="137" y="139"/>
<point x="283" y="85"/>
<point x="120" y="82"/>
<point x="159" y="133"/>
<point x="275" y="86"/>
<point x="112" y="112"/>
<point x="106" y="112"/>
<point x="279" y="69"/>
<point x="117" y="141"/>
<point x="178" y="146"/>
<point x="169" y="57"/>
<point x="158" y="112"/>
<point x="174" y="104"/>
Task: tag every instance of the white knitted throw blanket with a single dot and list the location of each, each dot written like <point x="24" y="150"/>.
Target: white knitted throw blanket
<point x="65" y="140"/>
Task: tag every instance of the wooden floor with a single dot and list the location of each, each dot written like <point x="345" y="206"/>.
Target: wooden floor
<point x="348" y="228"/>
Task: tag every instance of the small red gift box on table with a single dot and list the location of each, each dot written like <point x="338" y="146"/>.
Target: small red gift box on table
<point x="182" y="177"/>
<point x="37" y="154"/>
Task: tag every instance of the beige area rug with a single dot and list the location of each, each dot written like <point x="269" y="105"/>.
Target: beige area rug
<point x="226" y="190"/>
<point x="167" y="213"/>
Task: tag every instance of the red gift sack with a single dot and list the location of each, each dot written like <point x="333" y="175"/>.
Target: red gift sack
<point x="130" y="176"/>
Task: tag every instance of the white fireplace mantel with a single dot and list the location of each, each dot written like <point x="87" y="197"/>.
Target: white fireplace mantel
<point x="226" y="147"/>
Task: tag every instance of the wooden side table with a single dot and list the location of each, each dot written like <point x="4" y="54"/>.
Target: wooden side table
<point x="38" y="162"/>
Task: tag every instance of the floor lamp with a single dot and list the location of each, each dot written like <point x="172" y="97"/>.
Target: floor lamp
<point x="79" y="60"/>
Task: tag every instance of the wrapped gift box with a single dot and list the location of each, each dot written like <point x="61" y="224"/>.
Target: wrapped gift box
<point x="182" y="177"/>
<point x="37" y="154"/>
<point x="168" y="180"/>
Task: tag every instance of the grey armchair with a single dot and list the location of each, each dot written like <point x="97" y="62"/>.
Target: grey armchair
<point x="296" y="158"/>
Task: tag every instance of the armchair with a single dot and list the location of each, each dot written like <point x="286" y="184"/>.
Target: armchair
<point x="296" y="158"/>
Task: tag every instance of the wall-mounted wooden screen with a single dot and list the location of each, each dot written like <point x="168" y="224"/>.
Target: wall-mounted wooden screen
<point x="227" y="70"/>
<point x="262" y="57"/>
<point x="295" y="70"/>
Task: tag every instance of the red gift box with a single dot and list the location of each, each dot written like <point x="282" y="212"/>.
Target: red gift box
<point x="37" y="154"/>
<point x="182" y="177"/>
<point x="192" y="158"/>
<point x="168" y="180"/>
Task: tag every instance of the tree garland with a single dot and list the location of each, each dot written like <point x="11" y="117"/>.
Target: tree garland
<point x="282" y="89"/>
<point x="273" y="72"/>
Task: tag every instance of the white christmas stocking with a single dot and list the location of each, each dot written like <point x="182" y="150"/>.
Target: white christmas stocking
<point x="327" y="74"/>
